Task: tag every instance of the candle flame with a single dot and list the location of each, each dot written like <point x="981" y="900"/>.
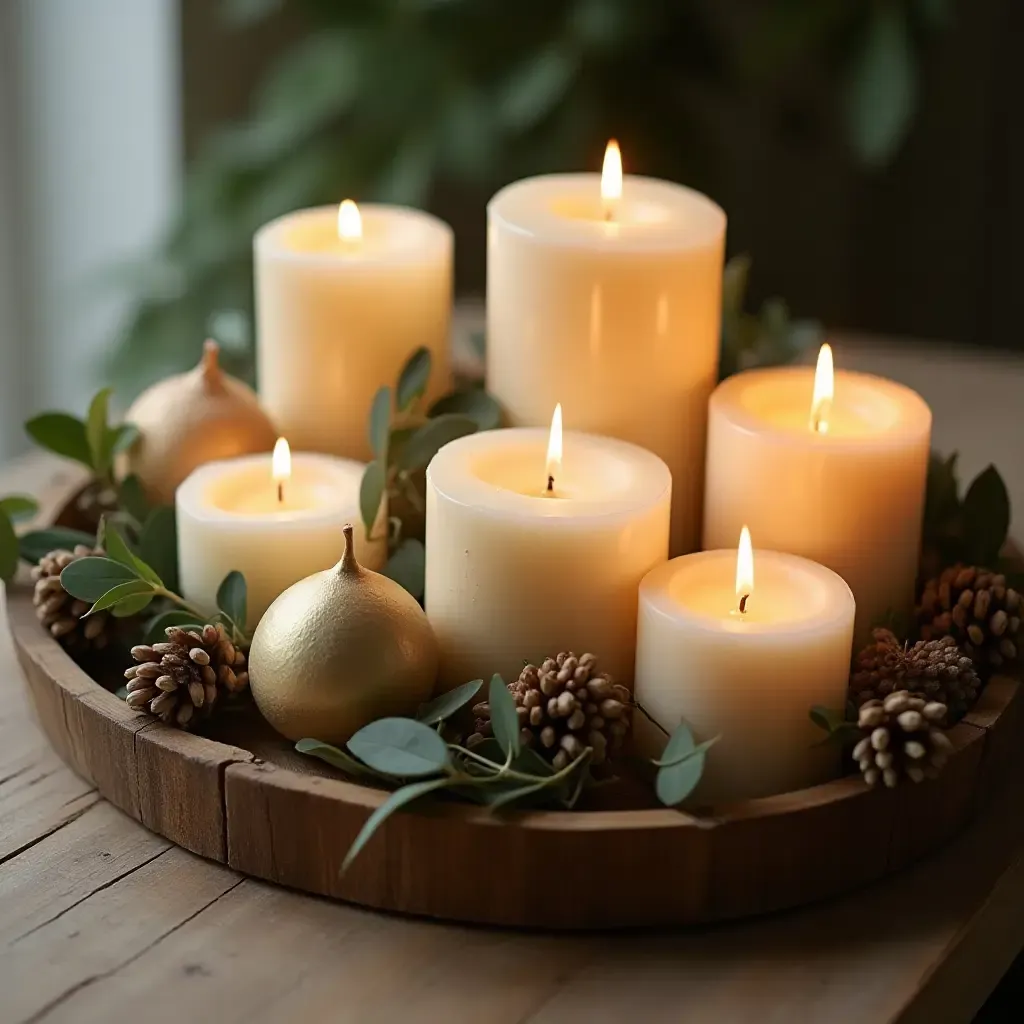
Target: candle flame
<point x="744" y="570"/>
<point x="824" y="390"/>
<point x="554" y="459"/>
<point x="350" y="223"/>
<point x="281" y="466"/>
<point x="611" y="178"/>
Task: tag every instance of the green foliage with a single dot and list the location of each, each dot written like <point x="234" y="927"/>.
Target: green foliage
<point x="448" y="703"/>
<point x="232" y="599"/>
<point x="970" y="529"/>
<point x="18" y="507"/>
<point x="395" y="99"/>
<point x="407" y="566"/>
<point x="8" y="549"/>
<point x="401" y="747"/>
<point x="680" y="766"/>
<point x="838" y="726"/>
<point x="37" y="543"/>
<point x="503" y="717"/>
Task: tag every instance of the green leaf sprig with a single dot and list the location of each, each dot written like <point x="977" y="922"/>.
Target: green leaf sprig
<point x="413" y="755"/>
<point x="681" y="764"/>
<point x="13" y="508"/>
<point x="837" y="725"/>
<point x="125" y="584"/>
<point x="404" y="438"/>
<point x="93" y="442"/>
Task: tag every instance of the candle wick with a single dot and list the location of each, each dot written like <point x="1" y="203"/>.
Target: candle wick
<point x="743" y="604"/>
<point x="551" y="484"/>
<point x="280" y="492"/>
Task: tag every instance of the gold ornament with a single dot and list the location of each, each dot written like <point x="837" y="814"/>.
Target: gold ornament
<point x="339" y="649"/>
<point x="190" y="419"/>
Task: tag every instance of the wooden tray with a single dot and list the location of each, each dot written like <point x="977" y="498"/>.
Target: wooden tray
<point x="245" y="798"/>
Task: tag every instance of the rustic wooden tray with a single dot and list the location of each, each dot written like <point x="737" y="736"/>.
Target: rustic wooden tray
<point x="245" y="798"/>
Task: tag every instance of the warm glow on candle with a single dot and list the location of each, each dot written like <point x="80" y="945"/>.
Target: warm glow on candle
<point x="350" y="223"/>
<point x="824" y="389"/>
<point x="554" y="460"/>
<point x="611" y="179"/>
<point x="281" y="466"/>
<point x="744" y="570"/>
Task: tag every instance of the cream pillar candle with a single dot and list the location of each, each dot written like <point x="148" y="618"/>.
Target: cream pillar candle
<point x="612" y="307"/>
<point x="342" y="299"/>
<point x="274" y="523"/>
<point x="750" y="677"/>
<point x="516" y="572"/>
<point x="844" y="487"/>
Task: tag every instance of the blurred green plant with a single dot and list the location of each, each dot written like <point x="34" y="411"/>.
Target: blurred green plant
<point x="388" y="99"/>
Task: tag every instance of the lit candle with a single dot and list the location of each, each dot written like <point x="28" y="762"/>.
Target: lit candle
<point x="344" y="295"/>
<point x="828" y="466"/>
<point x="535" y="548"/>
<point x="745" y="661"/>
<point x="604" y="294"/>
<point x="274" y="518"/>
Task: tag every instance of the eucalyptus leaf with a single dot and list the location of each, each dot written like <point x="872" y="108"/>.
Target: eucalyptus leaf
<point x="120" y="592"/>
<point x="520" y="792"/>
<point x="475" y="403"/>
<point x="397" y="442"/>
<point x="335" y="757"/>
<point x="683" y="764"/>
<point x="504" y="720"/>
<point x="130" y="606"/>
<point x="61" y="433"/>
<point x="157" y="627"/>
<point x="371" y="494"/>
<point x="380" y="424"/>
<point x="38" y="543"/>
<point x="123" y="437"/>
<point x="429" y="439"/>
<point x="444" y="706"/>
<point x="412" y="383"/>
<point x="90" y="578"/>
<point x="117" y="548"/>
<point x="96" y="430"/>
<point x="986" y="516"/>
<point x="407" y="566"/>
<point x="826" y="718"/>
<point x="397" y="800"/>
<point x="8" y="549"/>
<point x="400" y="746"/>
<point x="19" y="506"/>
<point x="132" y="498"/>
<point x="232" y="598"/>
<point x="663" y="762"/>
<point x="158" y="545"/>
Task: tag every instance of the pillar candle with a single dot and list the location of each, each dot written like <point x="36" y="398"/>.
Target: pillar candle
<point x="343" y="298"/>
<point x="844" y="487"/>
<point x="749" y="677"/>
<point x="612" y="307"/>
<point x="516" y="572"/>
<point x="275" y="528"/>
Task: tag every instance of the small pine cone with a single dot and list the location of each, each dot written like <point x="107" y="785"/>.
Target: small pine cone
<point x="565" y="705"/>
<point x="934" y="669"/>
<point x="181" y="681"/>
<point x="980" y="612"/>
<point x="901" y="737"/>
<point x="63" y="615"/>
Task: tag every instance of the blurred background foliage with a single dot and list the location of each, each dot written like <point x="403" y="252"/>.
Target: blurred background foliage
<point x="437" y="103"/>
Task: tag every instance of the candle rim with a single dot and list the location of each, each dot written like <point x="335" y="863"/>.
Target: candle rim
<point x="269" y="243"/>
<point x="470" y="491"/>
<point x="914" y="419"/>
<point x="655" y="596"/>
<point x="505" y="210"/>
<point x="190" y="496"/>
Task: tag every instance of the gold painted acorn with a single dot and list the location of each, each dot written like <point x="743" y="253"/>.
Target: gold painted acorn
<point x="339" y="649"/>
<point x="190" y="419"/>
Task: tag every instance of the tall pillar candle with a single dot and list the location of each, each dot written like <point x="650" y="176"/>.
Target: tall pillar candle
<point x="750" y="676"/>
<point x="343" y="298"/>
<point x="844" y="486"/>
<point x="517" y="572"/>
<point x="612" y="307"/>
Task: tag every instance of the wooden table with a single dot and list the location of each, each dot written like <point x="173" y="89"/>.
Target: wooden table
<point x="101" y="920"/>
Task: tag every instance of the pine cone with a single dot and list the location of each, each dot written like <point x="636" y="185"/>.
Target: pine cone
<point x="934" y="669"/>
<point x="902" y="736"/>
<point x="977" y="609"/>
<point x="59" y="612"/>
<point x="181" y="680"/>
<point x="565" y="706"/>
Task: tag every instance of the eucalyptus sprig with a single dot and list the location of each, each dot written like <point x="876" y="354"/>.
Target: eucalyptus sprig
<point x="404" y="437"/>
<point x="681" y="764"/>
<point x="124" y="584"/>
<point x="93" y="442"/>
<point x="838" y="726"/>
<point x="12" y="509"/>
<point x="412" y="754"/>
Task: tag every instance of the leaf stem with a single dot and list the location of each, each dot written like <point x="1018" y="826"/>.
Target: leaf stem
<point x="650" y="718"/>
